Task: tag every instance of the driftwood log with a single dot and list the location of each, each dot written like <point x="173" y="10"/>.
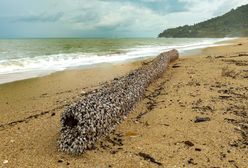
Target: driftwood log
<point x="97" y="113"/>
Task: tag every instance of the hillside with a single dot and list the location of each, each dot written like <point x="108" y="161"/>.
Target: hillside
<point x="231" y="24"/>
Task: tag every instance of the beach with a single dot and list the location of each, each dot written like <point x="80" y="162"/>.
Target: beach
<point x="195" y="115"/>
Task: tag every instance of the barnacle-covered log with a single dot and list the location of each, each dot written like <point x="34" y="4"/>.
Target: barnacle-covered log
<point x="96" y="114"/>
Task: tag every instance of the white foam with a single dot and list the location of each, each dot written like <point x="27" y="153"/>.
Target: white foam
<point x="22" y="68"/>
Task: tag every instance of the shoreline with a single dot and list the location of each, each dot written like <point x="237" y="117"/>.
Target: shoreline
<point x="192" y="86"/>
<point x="194" y="49"/>
<point x="72" y="69"/>
<point x="48" y="91"/>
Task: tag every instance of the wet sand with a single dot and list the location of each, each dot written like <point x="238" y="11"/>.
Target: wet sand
<point x="161" y="130"/>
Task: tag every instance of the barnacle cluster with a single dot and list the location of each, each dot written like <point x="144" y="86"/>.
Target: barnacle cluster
<point x="96" y="114"/>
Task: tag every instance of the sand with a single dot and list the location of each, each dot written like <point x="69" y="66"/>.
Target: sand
<point x="160" y="132"/>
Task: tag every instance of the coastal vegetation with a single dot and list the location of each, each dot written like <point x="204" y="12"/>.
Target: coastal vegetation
<point x="231" y="24"/>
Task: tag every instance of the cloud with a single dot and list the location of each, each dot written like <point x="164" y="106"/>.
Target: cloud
<point x="158" y="6"/>
<point x="42" y="17"/>
<point x="106" y="17"/>
<point x="122" y="17"/>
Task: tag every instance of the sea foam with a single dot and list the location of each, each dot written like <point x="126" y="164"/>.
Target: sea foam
<point x="22" y="68"/>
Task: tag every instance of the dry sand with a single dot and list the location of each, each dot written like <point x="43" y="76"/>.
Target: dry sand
<point x="160" y="132"/>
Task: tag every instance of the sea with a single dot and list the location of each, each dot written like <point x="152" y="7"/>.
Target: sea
<point x="28" y="58"/>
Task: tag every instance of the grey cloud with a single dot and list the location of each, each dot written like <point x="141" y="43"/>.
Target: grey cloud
<point x="104" y="17"/>
<point x="159" y="6"/>
<point x="43" y="17"/>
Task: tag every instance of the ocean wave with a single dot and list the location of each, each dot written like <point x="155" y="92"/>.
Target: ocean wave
<point x="59" y="62"/>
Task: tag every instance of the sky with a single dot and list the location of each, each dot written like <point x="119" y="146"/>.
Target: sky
<point x="104" y="18"/>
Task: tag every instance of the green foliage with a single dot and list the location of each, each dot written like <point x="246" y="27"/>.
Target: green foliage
<point x="231" y="24"/>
